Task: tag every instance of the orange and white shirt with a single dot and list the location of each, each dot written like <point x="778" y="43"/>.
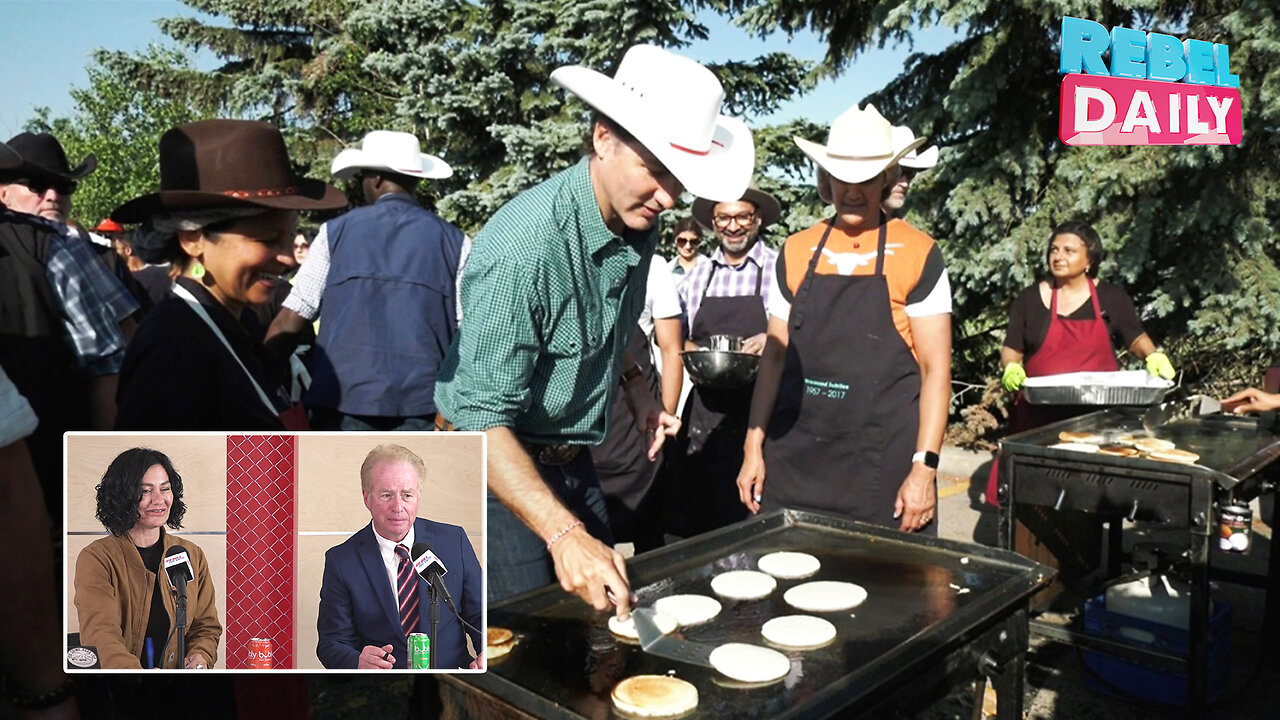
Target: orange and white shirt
<point x="913" y="267"/>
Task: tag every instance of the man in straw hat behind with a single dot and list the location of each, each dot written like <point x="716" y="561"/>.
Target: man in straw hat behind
<point x="850" y="401"/>
<point x="554" y="283"/>
<point x="911" y="165"/>
<point x="386" y="275"/>
<point x="726" y="296"/>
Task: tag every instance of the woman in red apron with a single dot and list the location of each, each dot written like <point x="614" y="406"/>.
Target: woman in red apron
<point x="850" y="402"/>
<point x="225" y="215"/>
<point x="1067" y="324"/>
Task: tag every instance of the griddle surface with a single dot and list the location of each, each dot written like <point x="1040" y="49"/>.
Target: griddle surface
<point x="567" y="661"/>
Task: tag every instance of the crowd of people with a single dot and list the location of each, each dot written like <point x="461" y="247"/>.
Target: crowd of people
<point x="555" y="330"/>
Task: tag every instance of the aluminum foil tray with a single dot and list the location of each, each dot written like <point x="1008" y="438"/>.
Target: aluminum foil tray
<point x="1131" y="387"/>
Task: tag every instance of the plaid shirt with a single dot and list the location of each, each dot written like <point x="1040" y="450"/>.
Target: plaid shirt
<point x="729" y="281"/>
<point x="549" y="295"/>
<point x="93" y="300"/>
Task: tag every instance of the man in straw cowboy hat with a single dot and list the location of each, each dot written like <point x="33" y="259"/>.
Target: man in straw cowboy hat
<point x="911" y="164"/>
<point x="850" y="401"/>
<point x="554" y="284"/>
<point x="726" y="296"/>
<point x="386" y="275"/>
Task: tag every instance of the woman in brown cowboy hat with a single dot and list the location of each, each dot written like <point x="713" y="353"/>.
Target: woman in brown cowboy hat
<point x="225" y="215"/>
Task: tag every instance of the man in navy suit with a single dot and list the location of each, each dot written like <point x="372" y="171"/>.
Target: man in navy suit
<point x="365" y="614"/>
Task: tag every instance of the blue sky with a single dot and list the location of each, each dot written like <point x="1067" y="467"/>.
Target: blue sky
<point x="32" y="75"/>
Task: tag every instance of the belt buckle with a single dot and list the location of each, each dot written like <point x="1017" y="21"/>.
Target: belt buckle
<point x="557" y="454"/>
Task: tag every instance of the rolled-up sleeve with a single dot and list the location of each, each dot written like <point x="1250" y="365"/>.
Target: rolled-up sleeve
<point x="486" y="377"/>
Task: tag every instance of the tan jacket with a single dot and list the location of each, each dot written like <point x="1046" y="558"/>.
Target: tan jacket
<point x="113" y="599"/>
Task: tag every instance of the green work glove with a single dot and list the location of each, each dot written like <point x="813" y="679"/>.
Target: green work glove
<point x="1013" y="377"/>
<point x="1158" y="364"/>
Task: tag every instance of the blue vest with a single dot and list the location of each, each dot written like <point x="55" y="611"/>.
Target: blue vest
<point x="389" y="311"/>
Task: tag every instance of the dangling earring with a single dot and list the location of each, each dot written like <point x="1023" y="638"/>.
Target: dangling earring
<point x="197" y="269"/>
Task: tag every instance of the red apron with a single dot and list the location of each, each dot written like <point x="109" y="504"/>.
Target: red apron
<point x="1069" y="346"/>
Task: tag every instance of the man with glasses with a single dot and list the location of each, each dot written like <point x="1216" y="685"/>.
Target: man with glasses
<point x="44" y="182"/>
<point x="909" y="166"/>
<point x="726" y="296"/>
<point x="688" y="238"/>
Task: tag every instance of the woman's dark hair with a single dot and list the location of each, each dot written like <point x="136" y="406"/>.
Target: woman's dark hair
<point x="686" y="224"/>
<point x="1087" y="235"/>
<point x="120" y="491"/>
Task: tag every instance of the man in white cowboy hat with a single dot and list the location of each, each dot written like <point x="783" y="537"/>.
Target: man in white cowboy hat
<point x="554" y="285"/>
<point x="911" y="164"/>
<point x="851" y="397"/>
<point x="726" y="296"/>
<point x="386" y="274"/>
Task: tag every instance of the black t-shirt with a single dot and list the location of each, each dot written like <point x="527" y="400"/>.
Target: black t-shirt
<point x="1029" y="318"/>
<point x="158" y="622"/>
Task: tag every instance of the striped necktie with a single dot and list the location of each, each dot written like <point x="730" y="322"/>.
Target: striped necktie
<point x="407" y="592"/>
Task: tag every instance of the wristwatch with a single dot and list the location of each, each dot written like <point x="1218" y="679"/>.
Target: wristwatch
<point x="630" y="374"/>
<point x="929" y="458"/>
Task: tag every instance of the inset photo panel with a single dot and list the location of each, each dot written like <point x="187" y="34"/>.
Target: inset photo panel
<point x="284" y="552"/>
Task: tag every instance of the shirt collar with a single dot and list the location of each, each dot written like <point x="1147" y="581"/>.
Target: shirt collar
<point x="388" y="547"/>
<point x="755" y="254"/>
<point x="595" y="234"/>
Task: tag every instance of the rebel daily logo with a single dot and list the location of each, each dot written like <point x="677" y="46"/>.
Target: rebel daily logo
<point x="1128" y="87"/>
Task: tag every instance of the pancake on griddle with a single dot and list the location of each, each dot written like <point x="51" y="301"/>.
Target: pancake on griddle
<point x="1152" y="444"/>
<point x="1118" y="451"/>
<point x="750" y="663"/>
<point x="825" y="596"/>
<point x="1089" y="438"/>
<point x="626" y="629"/>
<point x="498" y="641"/>
<point x="789" y="565"/>
<point x="743" y="584"/>
<point x="798" y="631"/>
<point x="688" y="609"/>
<point x="1174" y="456"/>
<point x="653" y="696"/>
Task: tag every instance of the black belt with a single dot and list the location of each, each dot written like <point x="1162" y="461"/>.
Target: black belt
<point x="557" y="454"/>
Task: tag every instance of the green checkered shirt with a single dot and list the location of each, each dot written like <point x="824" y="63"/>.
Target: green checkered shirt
<point x="545" y="292"/>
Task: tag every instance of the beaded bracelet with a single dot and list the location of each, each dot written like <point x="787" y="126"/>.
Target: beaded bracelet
<point x="39" y="701"/>
<point x="567" y="528"/>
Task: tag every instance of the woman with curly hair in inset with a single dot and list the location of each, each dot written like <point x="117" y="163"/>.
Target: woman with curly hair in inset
<point x="122" y="596"/>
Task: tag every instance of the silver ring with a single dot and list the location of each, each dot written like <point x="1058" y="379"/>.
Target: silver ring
<point x="759" y="498"/>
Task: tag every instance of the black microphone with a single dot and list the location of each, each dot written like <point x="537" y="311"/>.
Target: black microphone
<point x="177" y="565"/>
<point x="431" y="568"/>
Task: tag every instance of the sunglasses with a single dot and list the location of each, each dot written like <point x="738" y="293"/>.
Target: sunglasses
<point x="41" y="186"/>
<point x="688" y="241"/>
<point x="302" y="245"/>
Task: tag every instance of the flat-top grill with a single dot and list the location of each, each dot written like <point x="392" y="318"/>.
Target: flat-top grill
<point x="937" y="612"/>
<point x="1233" y="450"/>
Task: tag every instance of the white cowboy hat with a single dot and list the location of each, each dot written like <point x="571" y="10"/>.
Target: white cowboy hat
<point x="671" y="104"/>
<point x="397" y="152"/>
<point x="859" y="146"/>
<point x="902" y="137"/>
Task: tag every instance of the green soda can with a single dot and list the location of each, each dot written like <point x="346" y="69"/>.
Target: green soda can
<point x="419" y="651"/>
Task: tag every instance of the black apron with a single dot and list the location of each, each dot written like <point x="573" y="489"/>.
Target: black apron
<point x="631" y="484"/>
<point x="715" y="421"/>
<point x="844" y="427"/>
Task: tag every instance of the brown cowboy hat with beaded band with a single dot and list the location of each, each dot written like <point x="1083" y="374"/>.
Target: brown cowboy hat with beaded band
<point x="227" y="163"/>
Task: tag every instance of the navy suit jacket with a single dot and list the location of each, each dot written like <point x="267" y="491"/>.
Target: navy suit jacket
<point x="358" y="607"/>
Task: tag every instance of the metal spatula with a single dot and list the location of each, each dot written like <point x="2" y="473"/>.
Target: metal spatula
<point x="1167" y="412"/>
<point x="654" y="642"/>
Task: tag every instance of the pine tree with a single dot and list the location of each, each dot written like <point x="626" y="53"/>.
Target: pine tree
<point x="1190" y="231"/>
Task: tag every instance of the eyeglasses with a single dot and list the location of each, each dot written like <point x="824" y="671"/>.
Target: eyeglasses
<point x="744" y="218"/>
<point x="688" y="240"/>
<point x="41" y="186"/>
